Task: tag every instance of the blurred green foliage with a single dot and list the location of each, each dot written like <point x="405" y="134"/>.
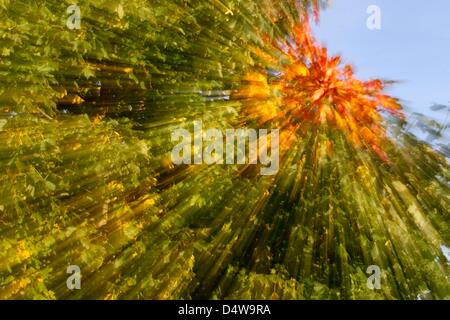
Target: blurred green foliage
<point x="85" y="123"/>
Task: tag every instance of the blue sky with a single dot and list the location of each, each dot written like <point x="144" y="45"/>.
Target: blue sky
<point x="413" y="46"/>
